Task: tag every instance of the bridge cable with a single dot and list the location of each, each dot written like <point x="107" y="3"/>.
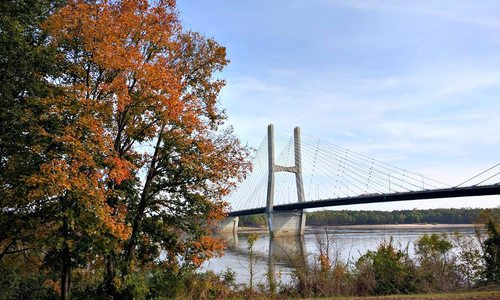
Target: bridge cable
<point x="370" y="167"/>
<point x="480" y="175"/>
<point x="352" y="169"/>
<point x="341" y="171"/>
<point x="487" y="179"/>
<point x="325" y="171"/>
<point x="390" y="168"/>
<point x="382" y="164"/>
<point x="356" y="177"/>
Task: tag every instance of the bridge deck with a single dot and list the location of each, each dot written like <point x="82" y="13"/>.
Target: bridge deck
<point x="377" y="198"/>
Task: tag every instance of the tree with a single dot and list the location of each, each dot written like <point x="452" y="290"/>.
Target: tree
<point x="469" y="262"/>
<point x="115" y="149"/>
<point x="143" y="132"/>
<point x="385" y="271"/>
<point x="492" y="253"/>
<point x="26" y="61"/>
<point x="251" y="239"/>
<point x="436" y="266"/>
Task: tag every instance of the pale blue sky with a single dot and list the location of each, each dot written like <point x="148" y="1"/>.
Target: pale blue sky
<point x="412" y="83"/>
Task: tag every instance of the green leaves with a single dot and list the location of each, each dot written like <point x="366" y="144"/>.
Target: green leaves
<point x="492" y="253"/>
<point x="433" y="246"/>
<point x="386" y="271"/>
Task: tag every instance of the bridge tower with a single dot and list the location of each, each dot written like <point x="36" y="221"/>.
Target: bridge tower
<point x="284" y="223"/>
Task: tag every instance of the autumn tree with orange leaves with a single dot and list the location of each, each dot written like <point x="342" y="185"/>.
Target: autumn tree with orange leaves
<point x="139" y="158"/>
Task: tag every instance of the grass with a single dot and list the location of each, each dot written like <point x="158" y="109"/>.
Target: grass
<point x="490" y="294"/>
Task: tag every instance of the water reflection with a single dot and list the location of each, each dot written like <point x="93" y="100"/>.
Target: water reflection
<point x="281" y="256"/>
<point x="231" y="240"/>
<point x="288" y="252"/>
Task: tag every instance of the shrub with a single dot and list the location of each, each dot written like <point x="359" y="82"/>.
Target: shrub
<point x="385" y="271"/>
<point x="469" y="261"/>
<point x="492" y="254"/>
<point x="437" y="269"/>
<point x="328" y="275"/>
<point x="15" y="283"/>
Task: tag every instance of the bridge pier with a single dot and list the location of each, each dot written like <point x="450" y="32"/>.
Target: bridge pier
<point x="286" y="223"/>
<point x="229" y="225"/>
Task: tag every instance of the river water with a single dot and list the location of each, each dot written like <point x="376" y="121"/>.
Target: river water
<point x="347" y="244"/>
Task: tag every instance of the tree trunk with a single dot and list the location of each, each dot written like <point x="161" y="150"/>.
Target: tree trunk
<point x="132" y="242"/>
<point x="66" y="264"/>
<point x="109" y="285"/>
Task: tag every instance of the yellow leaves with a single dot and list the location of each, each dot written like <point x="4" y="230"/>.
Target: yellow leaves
<point x="51" y="181"/>
<point x="324" y="261"/>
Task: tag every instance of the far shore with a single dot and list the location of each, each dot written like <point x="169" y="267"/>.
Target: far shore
<point x="245" y="229"/>
<point x="397" y="226"/>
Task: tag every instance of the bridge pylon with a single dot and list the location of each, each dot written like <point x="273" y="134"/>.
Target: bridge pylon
<point x="284" y="223"/>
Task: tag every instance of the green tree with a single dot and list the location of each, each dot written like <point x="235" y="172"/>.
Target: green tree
<point x="469" y="263"/>
<point x="27" y="62"/>
<point x="28" y="65"/>
<point x="492" y="253"/>
<point x="385" y="271"/>
<point x="436" y="268"/>
<point x="251" y="239"/>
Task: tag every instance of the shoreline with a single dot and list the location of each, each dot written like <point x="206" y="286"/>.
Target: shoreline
<point x="396" y="226"/>
<point x="368" y="227"/>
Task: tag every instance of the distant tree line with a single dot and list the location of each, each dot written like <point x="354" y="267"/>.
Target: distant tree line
<point x="253" y="221"/>
<point x="353" y="217"/>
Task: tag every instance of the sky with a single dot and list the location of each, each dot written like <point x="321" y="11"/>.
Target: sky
<point x="412" y="83"/>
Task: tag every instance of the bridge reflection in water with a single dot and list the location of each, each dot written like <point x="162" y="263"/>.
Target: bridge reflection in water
<point x="275" y="258"/>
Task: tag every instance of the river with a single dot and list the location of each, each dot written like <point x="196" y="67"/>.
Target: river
<point x="347" y="244"/>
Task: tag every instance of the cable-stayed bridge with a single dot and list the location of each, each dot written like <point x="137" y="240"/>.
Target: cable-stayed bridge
<point x="312" y="173"/>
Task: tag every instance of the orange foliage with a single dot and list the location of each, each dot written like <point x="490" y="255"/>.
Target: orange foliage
<point x="120" y="169"/>
<point x="139" y="94"/>
<point x="206" y="247"/>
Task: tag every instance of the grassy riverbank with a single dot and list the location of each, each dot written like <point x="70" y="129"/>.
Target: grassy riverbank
<point x="472" y="295"/>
